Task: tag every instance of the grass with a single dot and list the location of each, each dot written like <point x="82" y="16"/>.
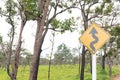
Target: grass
<point x="61" y="72"/>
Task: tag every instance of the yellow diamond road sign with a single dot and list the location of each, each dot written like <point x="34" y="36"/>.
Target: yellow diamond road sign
<point x="94" y="37"/>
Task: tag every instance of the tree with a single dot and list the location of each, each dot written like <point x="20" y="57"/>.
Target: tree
<point x="108" y="21"/>
<point x="113" y="46"/>
<point x="78" y="51"/>
<point x="43" y="22"/>
<point x="63" y="55"/>
<point x="3" y="53"/>
<point x="40" y="34"/>
<point x="52" y="41"/>
<point x="11" y="12"/>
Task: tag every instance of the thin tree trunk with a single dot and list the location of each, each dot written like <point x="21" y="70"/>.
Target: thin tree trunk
<point x="10" y="52"/>
<point x="90" y="63"/>
<point x="103" y="59"/>
<point x="40" y="34"/>
<point x="110" y="66"/>
<point x="17" y="53"/>
<point x="79" y="63"/>
<point x="49" y="68"/>
<point x="83" y="63"/>
<point x="103" y="62"/>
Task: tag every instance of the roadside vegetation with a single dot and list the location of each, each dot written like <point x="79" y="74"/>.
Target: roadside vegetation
<point x="62" y="72"/>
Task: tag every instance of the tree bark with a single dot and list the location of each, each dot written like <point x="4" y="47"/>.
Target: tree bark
<point x="17" y="53"/>
<point x="49" y="68"/>
<point x="83" y="64"/>
<point x="110" y="66"/>
<point x="39" y="38"/>
<point x="90" y="63"/>
<point x="85" y="19"/>
<point x="10" y="52"/>
<point x="79" y="63"/>
<point x="103" y="62"/>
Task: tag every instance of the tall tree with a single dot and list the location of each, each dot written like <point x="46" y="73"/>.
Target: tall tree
<point x="44" y="19"/>
<point x="108" y="22"/>
<point x="40" y="34"/>
<point x="79" y="56"/>
<point x="114" y="46"/>
<point x="11" y="12"/>
<point x="52" y="41"/>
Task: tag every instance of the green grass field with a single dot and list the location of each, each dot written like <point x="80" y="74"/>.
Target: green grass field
<point x="61" y="72"/>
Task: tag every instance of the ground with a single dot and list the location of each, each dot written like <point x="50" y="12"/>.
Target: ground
<point x="116" y="77"/>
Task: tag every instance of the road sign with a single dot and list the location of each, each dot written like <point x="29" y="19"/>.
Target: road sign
<point x="94" y="37"/>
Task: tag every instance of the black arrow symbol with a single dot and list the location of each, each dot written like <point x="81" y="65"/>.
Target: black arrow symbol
<point x="93" y="32"/>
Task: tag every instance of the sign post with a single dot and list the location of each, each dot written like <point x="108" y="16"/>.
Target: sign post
<point x="94" y="75"/>
<point x="94" y="38"/>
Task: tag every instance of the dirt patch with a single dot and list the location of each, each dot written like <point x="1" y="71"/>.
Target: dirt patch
<point x="116" y="77"/>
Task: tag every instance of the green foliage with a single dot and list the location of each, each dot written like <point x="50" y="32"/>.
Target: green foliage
<point x="105" y="7"/>
<point x="10" y="6"/>
<point x="52" y="4"/>
<point x="1" y="39"/>
<point x="31" y="11"/>
<point x="0" y="11"/>
<point x="63" y="25"/>
<point x="90" y="1"/>
<point x="108" y="9"/>
<point x="98" y="10"/>
<point x="107" y="1"/>
<point x="118" y="43"/>
<point x="61" y="72"/>
<point x="110" y="52"/>
<point x="11" y="11"/>
<point x="63" y="54"/>
<point x="115" y="31"/>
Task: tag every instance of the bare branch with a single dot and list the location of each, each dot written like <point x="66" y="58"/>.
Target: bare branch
<point x="95" y="15"/>
<point x="90" y="7"/>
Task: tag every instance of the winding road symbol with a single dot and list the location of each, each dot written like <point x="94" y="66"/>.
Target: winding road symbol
<point x="93" y="32"/>
<point x="94" y="37"/>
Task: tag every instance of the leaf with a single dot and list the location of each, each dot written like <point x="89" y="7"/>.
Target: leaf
<point x="108" y="9"/>
<point x="98" y="10"/>
<point x="69" y="11"/>
<point x="1" y="39"/>
<point x="52" y="4"/>
<point x="64" y="24"/>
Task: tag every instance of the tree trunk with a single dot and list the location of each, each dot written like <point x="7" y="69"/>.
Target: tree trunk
<point x="8" y="58"/>
<point x="49" y="68"/>
<point x="83" y="63"/>
<point x="110" y="66"/>
<point x="90" y="63"/>
<point x="103" y="62"/>
<point x="79" y="63"/>
<point x="39" y="38"/>
<point x="85" y="19"/>
<point x="17" y="53"/>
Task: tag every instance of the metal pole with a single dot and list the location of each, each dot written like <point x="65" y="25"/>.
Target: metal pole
<point x="94" y="67"/>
